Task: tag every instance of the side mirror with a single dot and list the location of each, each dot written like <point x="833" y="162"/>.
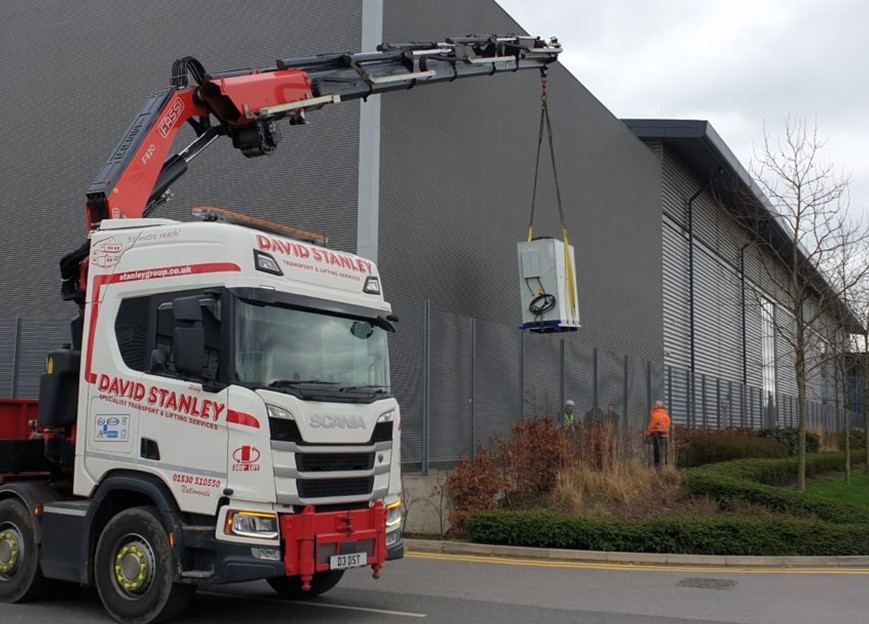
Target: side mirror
<point x="362" y="329"/>
<point x="158" y="361"/>
<point x="188" y="350"/>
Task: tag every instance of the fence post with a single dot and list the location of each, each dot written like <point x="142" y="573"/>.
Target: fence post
<point x="649" y="385"/>
<point x="689" y="386"/>
<point x="594" y="378"/>
<point x="521" y="375"/>
<point x="703" y="398"/>
<point x="16" y="355"/>
<point x="561" y="395"/>
<point x="760" y="417"/>
<point x="426" y="384"/>
<point x="473" y="398"/>
<point x="718" y="403"/>
<point x="625" y="393"/>
<point x="669" y="370"/>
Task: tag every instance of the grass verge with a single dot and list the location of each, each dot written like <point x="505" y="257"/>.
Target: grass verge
<point x="834" y="488"/>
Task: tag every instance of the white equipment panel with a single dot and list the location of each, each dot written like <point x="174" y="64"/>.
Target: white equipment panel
<point x="549" y="300"/>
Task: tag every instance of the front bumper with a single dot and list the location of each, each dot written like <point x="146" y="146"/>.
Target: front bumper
<point x="310" y="539"/>
<point x="394" y="550"/>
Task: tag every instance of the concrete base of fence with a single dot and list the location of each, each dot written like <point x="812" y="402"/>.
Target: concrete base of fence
<point x="426" y="504"/>
<point x="592" y="556"/>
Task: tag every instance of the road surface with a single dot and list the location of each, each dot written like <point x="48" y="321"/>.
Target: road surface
<point x="448" y="589"/>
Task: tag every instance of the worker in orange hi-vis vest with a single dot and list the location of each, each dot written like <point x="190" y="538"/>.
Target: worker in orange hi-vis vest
<point x="658" y="433"/>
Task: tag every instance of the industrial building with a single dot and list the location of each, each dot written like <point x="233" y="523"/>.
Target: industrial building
<point x="433" y="183"/>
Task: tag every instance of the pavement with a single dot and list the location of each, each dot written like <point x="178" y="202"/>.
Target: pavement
<point x="661" y="559"/>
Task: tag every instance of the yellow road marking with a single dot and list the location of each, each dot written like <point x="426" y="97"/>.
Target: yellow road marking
<point x="636" y="567"/>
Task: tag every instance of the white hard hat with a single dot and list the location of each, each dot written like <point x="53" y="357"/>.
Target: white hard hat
<point x="570" y="402"/>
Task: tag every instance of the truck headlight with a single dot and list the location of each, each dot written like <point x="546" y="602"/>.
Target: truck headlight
<point x="252" y="524"/>
<point x="393" y="514"/>
<point x="279" y="412"/>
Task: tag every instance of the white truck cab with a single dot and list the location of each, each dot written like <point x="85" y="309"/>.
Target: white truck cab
<point x="269" y="391"/>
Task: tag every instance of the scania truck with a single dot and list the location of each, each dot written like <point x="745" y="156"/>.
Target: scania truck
<point x="223" y="409"/>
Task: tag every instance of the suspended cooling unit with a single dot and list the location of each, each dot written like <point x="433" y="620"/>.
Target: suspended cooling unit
<point x="547" y="275"/>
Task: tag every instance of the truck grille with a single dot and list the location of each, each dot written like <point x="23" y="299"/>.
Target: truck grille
<point x="344" y="460"/>
<point x="335" y="487"/>
<point x="283" y="430"/>
<point x="324" y="462"/>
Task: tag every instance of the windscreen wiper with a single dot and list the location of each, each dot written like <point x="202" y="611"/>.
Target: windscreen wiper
<point x="379" y="389"/>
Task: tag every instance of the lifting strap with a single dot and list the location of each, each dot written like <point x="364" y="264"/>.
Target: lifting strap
<point x="544" y="121"/>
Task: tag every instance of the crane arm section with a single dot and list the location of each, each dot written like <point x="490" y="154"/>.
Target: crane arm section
<point x="246" y="104"/>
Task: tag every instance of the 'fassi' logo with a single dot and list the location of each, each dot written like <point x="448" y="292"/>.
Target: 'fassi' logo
<point x="246" y="459"/>
<point x="172" y="116"/>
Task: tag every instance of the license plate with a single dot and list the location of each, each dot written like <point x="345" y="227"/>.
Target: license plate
<point x="353" y="560"/>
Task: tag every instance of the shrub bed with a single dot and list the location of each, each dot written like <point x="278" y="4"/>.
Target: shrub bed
<point x="791" y="437"/>
<point x="709" y="449"/>
<point x="729" y="536"/>
<point x="684" y="438"/>
<point x="752" y="481"/>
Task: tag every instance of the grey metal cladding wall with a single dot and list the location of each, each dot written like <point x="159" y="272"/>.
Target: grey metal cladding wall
<point x="719" y="312"/>
<point x="75" y="75"/>
<point x="8" y="330"/>
<point x="35" y="335"/>
<point x="579" y="375"/>
<point x="677" y="384"/>
<point x="677" y="335"/>
<point x="498" y="395"/>
<point x="451" y="375"/>
<point x="406" y="352"/>
<point x="674" y="190"/>
<point x="542" y="391"/>
<point x="754" y="337"/>
<point x="717" y="284"/>
<point x="456" y="175"/>
<point x="786" y="377"/>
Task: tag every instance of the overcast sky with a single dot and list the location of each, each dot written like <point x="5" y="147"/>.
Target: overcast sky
<point x="737" y="63"/>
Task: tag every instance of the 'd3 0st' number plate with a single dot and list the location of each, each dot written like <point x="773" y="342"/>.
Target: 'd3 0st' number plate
<point x="353" y="560"/>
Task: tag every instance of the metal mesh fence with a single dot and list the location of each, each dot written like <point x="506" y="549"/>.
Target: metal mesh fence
<point x="462" y="382"/>
<point x="711" y="403"/>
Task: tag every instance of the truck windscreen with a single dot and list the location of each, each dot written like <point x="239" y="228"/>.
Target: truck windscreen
<point x="307" y="352"/>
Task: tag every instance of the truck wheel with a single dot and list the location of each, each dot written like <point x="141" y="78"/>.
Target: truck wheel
<point x="133" y="569"/>
<point x="291" y="586"/>
<point x="20" y="576"/>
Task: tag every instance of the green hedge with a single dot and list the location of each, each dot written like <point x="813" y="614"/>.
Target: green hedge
<point x="752" y="480"/>
<point x="721" y="448"/>
<point x="730" y="536"/>
<point x="781" y="471"/>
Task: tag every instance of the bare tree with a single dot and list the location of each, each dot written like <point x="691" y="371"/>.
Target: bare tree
<point x="803" y="231"/>
<point x="860" y="359"/>
<point x="846" y="270"/>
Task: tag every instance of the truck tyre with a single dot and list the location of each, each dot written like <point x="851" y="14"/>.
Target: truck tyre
<point x="133" y="569"/>
<point x="20" y="576"/>
<point x="290" y="587"/>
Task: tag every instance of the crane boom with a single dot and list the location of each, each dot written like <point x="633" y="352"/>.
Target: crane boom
<point x="246" y="104"/>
